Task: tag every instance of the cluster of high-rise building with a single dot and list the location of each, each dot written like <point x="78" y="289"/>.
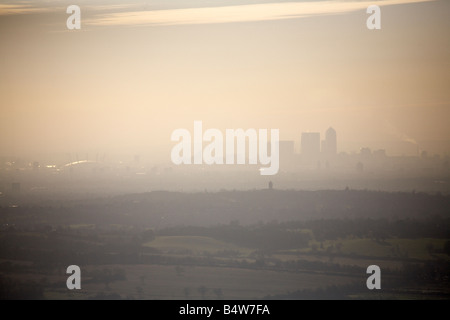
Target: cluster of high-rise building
<point x="312" y="149"/>
<point x="312" y="146"/>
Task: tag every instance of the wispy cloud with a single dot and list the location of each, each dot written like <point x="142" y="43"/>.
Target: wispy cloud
<point x="112" y="7"/>
<point x="127" y="14"/>
<point x="12" y="9"/>
<point x="238" y="13"/>
<point x="33" y="7"/>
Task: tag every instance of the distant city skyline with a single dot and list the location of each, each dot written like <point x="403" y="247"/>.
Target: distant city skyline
<point x="121" y="85"/>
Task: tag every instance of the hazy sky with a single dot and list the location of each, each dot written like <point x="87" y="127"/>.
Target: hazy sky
<point x="137" y="70"/>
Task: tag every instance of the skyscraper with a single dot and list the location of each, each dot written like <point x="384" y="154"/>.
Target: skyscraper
<point x="310" y="144"/>
<point x="329" y="145"/>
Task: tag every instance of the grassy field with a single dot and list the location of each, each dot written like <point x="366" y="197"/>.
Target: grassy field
<point x="421" y="249"/>
<point x="194" y="244"/>
<point x="234" y="281"/>
<point x="345" y="251"/>
<point x="170" y="282"/>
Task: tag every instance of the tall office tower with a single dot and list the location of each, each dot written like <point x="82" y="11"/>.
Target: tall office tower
<point x="310" y="144"/>
<point x="329" y="145"/>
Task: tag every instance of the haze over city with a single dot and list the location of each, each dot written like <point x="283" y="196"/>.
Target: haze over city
<point x="121" y="86"/>
<point x="224" y="150"/>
